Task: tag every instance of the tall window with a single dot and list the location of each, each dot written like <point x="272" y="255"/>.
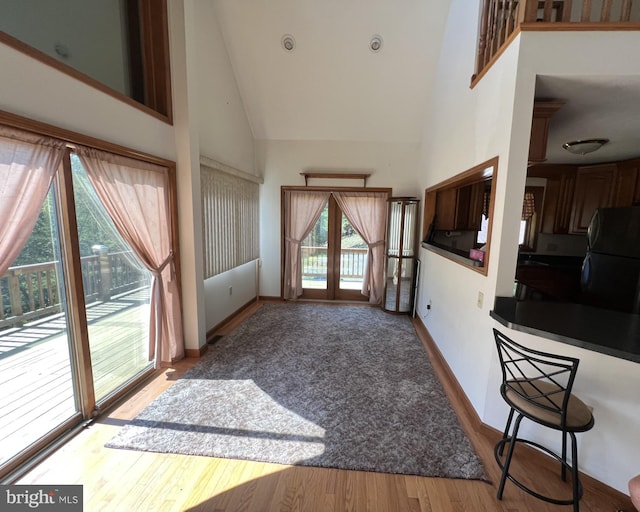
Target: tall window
<point x="230" y="219"/>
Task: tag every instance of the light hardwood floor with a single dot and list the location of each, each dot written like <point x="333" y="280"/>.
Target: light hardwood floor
<point x="122" y="480"/>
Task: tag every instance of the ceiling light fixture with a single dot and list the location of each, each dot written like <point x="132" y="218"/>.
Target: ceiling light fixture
<point x="582" y="147"/>
<point x="375" y="45"/>
<point x="288" y="43"/>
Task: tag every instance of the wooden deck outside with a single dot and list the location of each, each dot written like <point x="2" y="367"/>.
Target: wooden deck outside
<point x="36" y="380"/>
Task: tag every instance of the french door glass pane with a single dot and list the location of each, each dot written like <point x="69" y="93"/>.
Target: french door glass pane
<point x="353" y="257"/>
<point x="116" y="288"/>
<point x="37" y="392"/>
<point x="314" y="253"/>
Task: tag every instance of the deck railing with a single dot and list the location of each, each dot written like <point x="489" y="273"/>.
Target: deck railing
<point x="501" y="18"/>
<point x="29" y="292"/>
<point x="314" y="262"/>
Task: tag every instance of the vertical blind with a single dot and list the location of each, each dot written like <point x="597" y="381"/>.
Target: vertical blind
<point x="229" y="220"/>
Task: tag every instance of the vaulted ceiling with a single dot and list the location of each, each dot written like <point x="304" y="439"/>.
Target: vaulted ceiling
<point x="332" y="86"/>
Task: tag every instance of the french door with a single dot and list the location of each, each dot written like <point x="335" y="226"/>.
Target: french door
<point x="334" y="258"/>
<point x="74" y="319"/>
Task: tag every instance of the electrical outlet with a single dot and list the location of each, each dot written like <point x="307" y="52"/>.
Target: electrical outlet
<point x="230" y="290"/>
<point x="480" y="299"/>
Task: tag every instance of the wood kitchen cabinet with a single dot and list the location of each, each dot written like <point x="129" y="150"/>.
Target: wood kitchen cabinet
<point x="460" y="209"/>
<point x="594" y="189"/>
<point x="558" y="197"/>
<point x="627" y="185"/>
<point x="573" y="193"/>
<point x="542" y="112"/>
<point x="446" y="201"/>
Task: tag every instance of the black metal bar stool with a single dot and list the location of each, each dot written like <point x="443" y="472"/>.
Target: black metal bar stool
<point x="537" y="386"/>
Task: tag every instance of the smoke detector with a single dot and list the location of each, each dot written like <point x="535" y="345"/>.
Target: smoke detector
<point x="288" y="43"/>
<point x="375" y="44"/>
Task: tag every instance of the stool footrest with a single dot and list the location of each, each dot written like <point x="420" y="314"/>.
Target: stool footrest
<point x="498" y="450"/>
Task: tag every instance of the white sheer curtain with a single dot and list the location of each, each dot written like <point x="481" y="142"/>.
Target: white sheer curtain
<point x="136" y="196"/>
<point x="28" y="163"/>
<point x="302" y="209"/>
<point x="367" y="212"/>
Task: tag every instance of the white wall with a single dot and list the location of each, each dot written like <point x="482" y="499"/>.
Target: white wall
<point x="223" y="129"/>
<point x="281" y="162"/>
<point x="465" y="127"/>
<point x="214" y="125"/>
<point x="227" y="292"/>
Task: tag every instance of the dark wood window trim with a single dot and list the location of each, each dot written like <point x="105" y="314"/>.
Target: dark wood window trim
<point x="153" y="53"/>
<point x="480" y="173"/>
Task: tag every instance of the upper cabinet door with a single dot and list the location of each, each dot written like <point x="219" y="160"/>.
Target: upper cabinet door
<point x="626" y="188"/>
<point x="542" y="112"/>
<point x="594" y="189"/>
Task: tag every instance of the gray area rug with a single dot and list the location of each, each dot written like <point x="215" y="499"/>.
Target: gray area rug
<point x="317" y="385"/>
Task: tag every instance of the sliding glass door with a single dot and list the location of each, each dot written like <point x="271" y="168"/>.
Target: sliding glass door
<point x="116" y="290"/>
<point x="74" y="318"/>
<point x="37" y="377"/>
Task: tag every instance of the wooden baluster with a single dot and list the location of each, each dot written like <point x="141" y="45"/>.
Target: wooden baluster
<point x="605" y="13"/>
<point x="14" y="293"/>
<point x="53" y="289"/>
<point x="586" y="11"/>
<point x="528" y="11"/>
<point x="40" y="290"/>
<point x="566" y="11"/>
<point x="482" y="38"/>
<point x="500" y="23"/>
<point x="492" y="28"/>
<point x="548" y="9"/>
<point x="510" y="17"/>
<point x="625" y="10"/>
<point x="29" y="281"/>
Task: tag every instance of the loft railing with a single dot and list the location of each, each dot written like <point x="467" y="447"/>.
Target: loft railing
<point x="500" y="19"/>
<point x="30" y="292"/>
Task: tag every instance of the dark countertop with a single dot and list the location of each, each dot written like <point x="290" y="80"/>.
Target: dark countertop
<point x="574" y="262"/>
<point x="610" y="332"/>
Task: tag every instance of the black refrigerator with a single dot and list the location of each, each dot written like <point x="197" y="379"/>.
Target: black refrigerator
<point x="611" y="269"/>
